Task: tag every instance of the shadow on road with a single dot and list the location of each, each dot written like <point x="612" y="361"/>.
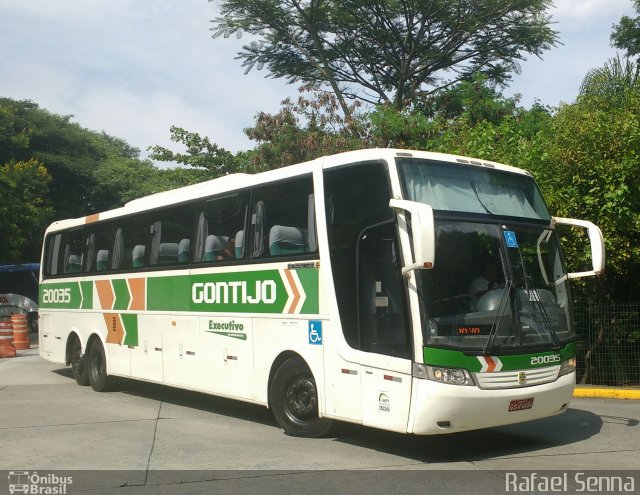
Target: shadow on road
<point x="573" y="426"/>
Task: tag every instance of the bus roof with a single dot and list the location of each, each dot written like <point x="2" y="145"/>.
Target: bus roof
<point x="229" y="183"/>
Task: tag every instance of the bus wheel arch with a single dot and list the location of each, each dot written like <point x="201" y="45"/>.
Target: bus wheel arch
<point x="293" y="398"/>
<point x="96" y="366"/>
<point x="76" y="359"/>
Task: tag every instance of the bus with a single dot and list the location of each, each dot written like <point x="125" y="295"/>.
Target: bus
<point x="336" y="290"/>
<point x="19" y="292"/>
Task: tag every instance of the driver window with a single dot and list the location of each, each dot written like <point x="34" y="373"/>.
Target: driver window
<point x="382" y="323"/>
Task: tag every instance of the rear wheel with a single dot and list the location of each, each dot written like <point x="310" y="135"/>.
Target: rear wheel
<point x="78" y="366"/>
<point x="97" y="368"/>
<point x="294" y="401"/>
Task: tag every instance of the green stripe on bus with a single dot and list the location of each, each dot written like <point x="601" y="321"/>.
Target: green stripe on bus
<point x="86" y="288"/>
<point x="264" y="291"/>
<point x="309" y="279"/>
<point x="457" y="359"/>
<point x="242" y="292"/>
<point x="130" y="323"/>
<point x="121" y="291"/>
<point x="63" y="295"/>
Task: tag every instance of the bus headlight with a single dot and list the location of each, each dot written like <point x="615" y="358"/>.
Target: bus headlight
<point x="568" y="366"/>
<point x="450" y="376"/>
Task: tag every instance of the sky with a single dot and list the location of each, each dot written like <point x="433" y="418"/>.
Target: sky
<point x="134" y="68"/>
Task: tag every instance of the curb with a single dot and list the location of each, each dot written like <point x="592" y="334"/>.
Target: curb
<point x="606" y="393"/>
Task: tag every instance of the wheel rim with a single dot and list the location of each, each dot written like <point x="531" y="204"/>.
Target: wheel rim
<point x="96" y="366"/>
<point x="76" y="362"/>
<point x="300" y="399"/>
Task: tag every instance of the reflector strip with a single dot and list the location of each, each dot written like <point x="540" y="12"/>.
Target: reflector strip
<point x="392" y="378"/>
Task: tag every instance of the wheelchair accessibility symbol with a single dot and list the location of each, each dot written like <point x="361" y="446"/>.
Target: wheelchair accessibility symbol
<point x="510" y="238"/>
<point x="315" y="332"/>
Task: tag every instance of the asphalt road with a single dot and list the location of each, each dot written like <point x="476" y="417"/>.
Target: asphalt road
<point x="152" y="439"/>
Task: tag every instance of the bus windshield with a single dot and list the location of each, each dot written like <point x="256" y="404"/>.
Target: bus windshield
<point x="471" y="189"/>
<point x="495" y="288"/>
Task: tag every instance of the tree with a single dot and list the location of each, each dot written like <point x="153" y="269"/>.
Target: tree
<point x="87" y="168"/>
<point x="119" y="181"/>
<point x="612" y="82"/>
<point x="201" y="154"/>
<point x="23" y="210"/>
<point x="591" y="169"/>
<point x="391" y="52"/>
<point x="304" y="129"/>
<point x="51" y="168"/>
<point x="626" y="34"/>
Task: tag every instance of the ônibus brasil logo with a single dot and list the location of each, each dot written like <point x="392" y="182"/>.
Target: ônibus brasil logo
<point x="34" y="483"/>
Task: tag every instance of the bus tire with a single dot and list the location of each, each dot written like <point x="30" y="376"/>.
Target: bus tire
<point x="97" y="369"/>
<point x="294" y="401"/>
<point x="78" y="363"/>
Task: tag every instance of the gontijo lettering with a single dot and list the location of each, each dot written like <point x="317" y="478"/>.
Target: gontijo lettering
<point x="263" y="292"/>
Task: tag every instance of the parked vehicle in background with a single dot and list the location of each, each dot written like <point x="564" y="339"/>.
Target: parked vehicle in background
<point x="19" y="292"/>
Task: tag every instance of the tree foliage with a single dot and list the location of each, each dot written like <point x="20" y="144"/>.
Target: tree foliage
<point x="304" y="129"/>
<point x="24" y="209"/>
<point x="51" y="168"/>
<point x="386" y="52"/>
<point x="626" y="34"/>
<point x="592" y="170"/>
<point x="611" y="83"/>
<point x="200" y="153"/>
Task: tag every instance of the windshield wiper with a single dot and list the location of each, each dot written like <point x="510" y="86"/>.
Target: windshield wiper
<point x="502" y="308"/>
<point x="541" y="317"/>
<point x="545" y="321"/>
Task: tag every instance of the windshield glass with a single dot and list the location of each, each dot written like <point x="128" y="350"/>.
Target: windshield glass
<point x="495" y="287"/>
<point x="471" y="189"/>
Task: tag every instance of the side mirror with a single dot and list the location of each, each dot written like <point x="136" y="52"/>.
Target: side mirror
<point x="597" y="245"/>
<point x="423" y="233"/>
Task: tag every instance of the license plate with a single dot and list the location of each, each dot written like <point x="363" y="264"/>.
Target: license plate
<point x="520" y="404"/>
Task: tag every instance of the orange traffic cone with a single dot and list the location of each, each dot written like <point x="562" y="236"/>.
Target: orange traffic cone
<point x="7" y="349"/>
<point x="20" y="332"/>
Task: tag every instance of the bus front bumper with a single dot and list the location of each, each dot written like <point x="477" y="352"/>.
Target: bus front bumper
<point x="440" y="408"/>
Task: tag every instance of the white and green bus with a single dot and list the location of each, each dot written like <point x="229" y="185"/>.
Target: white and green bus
<point x="346" y="288"/>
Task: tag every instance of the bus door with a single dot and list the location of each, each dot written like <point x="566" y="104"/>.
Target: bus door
<point x="384" y="333"/>
<point x="368" y="371"/>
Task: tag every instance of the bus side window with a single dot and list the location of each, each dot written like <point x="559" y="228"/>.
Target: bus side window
<point x="381" y="297"/>
<point x="130" y="244"/>
<point x="283" y="219"/>
<point x="73" y="252"/>
<point x="172" y="229"/>
<point x="97" y="247"/>
<point x="53" y="243"/>
<point x="220" y="228"/>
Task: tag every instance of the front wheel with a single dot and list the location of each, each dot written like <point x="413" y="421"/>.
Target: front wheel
<point x="97" y="369"/>
<point x="78" y="365"/>
<point x="294" y="401"/>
